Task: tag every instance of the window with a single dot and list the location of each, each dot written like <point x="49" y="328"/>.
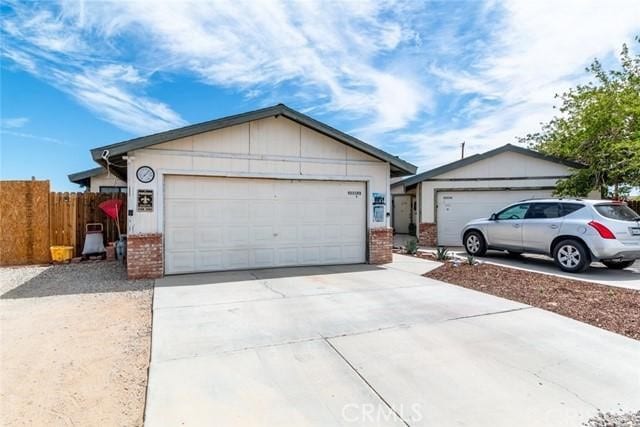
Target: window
<point x="514" y="212"/>
<point x="112" y="189"/>
<point x="544" y="211"/>
<point x="617" y="211"/>
<point x="569" y="208"/>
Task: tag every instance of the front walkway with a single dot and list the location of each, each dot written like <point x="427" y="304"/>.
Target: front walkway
<point x="367" y="345"/>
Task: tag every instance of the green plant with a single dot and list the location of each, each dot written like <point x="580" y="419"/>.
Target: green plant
<point x="442" y="253"/>
<point x="411" y="247"/>
<point x="471" y="260"/>
<point x="412" y="229"/>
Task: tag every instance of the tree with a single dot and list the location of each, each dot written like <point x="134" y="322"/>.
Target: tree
<point x="598" y="126"/>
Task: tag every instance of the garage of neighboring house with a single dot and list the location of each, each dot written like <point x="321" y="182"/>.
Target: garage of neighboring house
<point x="267" y="188"/>
<point x="441" y="201"/>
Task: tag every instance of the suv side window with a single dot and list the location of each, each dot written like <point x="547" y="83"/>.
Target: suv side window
<point x="514" y="212"/>
<point x="569" y="208"/>
<point x="544" y="211"/>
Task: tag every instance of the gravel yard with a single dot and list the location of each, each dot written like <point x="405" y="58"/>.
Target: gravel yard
<point x="75" y="345"/>
<point x="611" y="308"/>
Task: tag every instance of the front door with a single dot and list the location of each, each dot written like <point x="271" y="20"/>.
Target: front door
<point x="506" y="230"/>
<point x="402" y="213"/>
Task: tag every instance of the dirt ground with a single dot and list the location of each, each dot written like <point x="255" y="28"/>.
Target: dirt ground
<point x="607" y="307"/>
<point x="75" y="345"/>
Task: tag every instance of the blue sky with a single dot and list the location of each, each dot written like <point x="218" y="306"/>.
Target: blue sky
<point x="413" y="78"/>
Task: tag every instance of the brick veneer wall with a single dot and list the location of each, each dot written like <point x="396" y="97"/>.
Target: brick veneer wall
<point x="427" y="234"/>
<point x="144" y="256"/>
<point x="380" y="245"/>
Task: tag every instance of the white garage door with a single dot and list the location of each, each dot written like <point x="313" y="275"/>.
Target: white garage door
<point x="236" y="223"/>
<point x="456" y="208"/>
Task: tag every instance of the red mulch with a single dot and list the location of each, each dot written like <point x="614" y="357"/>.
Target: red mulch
<point x="607" y="307"/>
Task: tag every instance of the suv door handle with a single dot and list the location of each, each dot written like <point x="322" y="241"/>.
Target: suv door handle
<point x="516" y="225"/>
<point x="554" y="226"/>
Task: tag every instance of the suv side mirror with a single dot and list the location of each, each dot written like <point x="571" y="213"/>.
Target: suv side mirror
<point x="493" y="217"/>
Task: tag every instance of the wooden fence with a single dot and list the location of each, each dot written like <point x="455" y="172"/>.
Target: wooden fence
<point x="32" y="219"/>
<point x="69" y="213"/>
<point x="24" y="222"/>
<point x="635" y="205"/>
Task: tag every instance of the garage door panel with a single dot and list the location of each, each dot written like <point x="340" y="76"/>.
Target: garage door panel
<point x="264" y="257"/>
<point x="184" y="213"/>
<point x="351" y="253"/>
<point x="181" y="262"/>
<point x="288" y="234"/>
<point x="207" y="211"/>
<point x="352" y="233"/>
<point x="236" y="258"/>
<point x="236" y="235"/>
<point x="210" y="237"/>
<point x="180" y="237"/>
<point x="310" y="255"/>
<point x="263" y="234"/>
<point x="456" y="208"/>
<point x="210" y="259"/>
<point x="311" y="232"/>
<point x="237" y="223"/>
<point x="236" y="211"/>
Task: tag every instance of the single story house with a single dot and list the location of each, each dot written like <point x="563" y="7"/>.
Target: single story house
<point x="267" y="188"/>
<point x="440" y="201"/>
<point x="99" y="180"/>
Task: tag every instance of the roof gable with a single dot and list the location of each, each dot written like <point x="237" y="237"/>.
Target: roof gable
<point x="399" y="167"/>
<point x="83" y="177"/>
<point x="458" y="164"/>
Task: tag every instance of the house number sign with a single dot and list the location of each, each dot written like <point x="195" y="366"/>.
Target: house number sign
<point x="145" y="200"/>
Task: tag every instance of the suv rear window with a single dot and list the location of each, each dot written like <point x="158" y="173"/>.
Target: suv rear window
<point x="616" y="211"/>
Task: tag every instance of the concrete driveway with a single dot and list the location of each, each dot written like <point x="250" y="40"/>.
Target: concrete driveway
<point x="366" y="345"/>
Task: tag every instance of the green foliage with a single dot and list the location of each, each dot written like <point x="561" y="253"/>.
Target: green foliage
<point x="598" y="125"/>
<point x="471" y="260"/>
<point x="411" y="247"/>
<point x="442" y="253"/>
<point x="412" y="229"/>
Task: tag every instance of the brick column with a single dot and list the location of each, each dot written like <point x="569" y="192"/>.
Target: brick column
<point x="380" y="245"/>
<point x="144" y="256"/>
<point x="427" y="234"/>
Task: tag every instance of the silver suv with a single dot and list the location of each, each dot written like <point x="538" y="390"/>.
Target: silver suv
<point x="573" y="232"/>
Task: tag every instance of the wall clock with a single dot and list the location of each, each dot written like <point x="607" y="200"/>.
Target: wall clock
<point x="145" y="174"/>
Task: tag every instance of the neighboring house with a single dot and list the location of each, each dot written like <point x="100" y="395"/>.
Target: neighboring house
<point x="266" y="188"/>
<point x="98" y="180"/>
<point x="442" y="200"/>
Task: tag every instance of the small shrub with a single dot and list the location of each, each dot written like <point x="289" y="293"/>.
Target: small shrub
<point x="471" y="260"/>
<point x="412" y="229"/>
<point x="411" y="247"/>
<point x="442" y="253"/>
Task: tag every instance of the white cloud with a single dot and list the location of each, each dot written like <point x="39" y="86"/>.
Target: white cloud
<point x="13" y="122"/>
<point x="537" y="49"/>
<point x="38" y="138"/>
<point x="331" y="49"/>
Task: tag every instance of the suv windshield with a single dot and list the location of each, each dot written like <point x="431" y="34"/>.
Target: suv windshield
<point x="615" y="211"/>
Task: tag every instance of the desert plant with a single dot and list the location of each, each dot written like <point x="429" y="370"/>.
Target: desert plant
<point x="442" y="253"/>
<point x="412" y="229"/>
<point x="471" y="260"/>
<point x="411" y="247"/>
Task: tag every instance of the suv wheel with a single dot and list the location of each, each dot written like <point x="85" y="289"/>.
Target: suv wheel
<point x="571" y="256"/>
<point x="475" y="244"/>
<point x="618" y="265"/>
